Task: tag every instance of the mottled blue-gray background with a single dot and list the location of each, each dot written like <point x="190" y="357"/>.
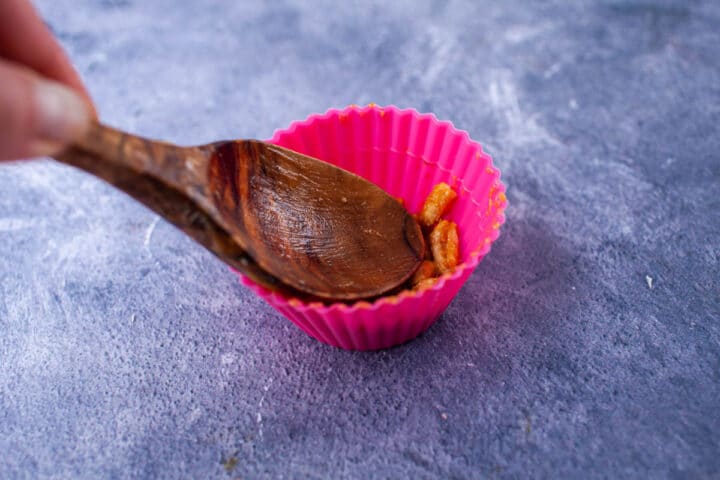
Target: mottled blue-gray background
<point x="587" y="344"/>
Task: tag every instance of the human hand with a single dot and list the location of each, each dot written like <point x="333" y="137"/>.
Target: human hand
<point x="43" y="103"/>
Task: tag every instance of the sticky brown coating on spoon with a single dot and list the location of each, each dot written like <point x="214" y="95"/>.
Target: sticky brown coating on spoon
<point x="325" y="232"/>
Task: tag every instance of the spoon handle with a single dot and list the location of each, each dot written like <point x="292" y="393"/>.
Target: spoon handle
<point x="181" y="168"/>
<point x="143" y="169"/>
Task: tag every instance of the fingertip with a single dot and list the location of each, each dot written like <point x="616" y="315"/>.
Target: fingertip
<point x="38" y="116"/>
<point x="61" y="114"/>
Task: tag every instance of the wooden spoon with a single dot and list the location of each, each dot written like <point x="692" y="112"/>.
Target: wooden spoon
<point x="286" y="220"/>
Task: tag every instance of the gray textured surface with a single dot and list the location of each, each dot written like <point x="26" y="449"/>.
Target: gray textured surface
<point x="128" y="352"/>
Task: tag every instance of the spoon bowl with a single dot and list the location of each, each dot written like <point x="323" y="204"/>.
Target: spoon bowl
<point x="316" y="227"/>
<point x="288" y="221"/>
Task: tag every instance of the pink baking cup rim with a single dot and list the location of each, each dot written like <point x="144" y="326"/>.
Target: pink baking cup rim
<point x="474" y="257"/>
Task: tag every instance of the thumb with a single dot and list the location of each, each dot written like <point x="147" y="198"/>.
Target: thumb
<point x="38" y="116"/>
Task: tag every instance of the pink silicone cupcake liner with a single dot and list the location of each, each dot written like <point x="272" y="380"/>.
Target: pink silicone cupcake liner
<point x="406" y="153"/>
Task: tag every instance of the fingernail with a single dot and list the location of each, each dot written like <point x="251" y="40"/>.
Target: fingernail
<point x="42" y="148"/>
<point x="62" y="115"/>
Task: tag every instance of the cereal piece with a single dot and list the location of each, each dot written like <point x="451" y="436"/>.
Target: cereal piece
<point x="436" y="203"/>
<point x="445" y="246"/>
<point x="426" y="270"/>
<point x="427" y="283"/>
